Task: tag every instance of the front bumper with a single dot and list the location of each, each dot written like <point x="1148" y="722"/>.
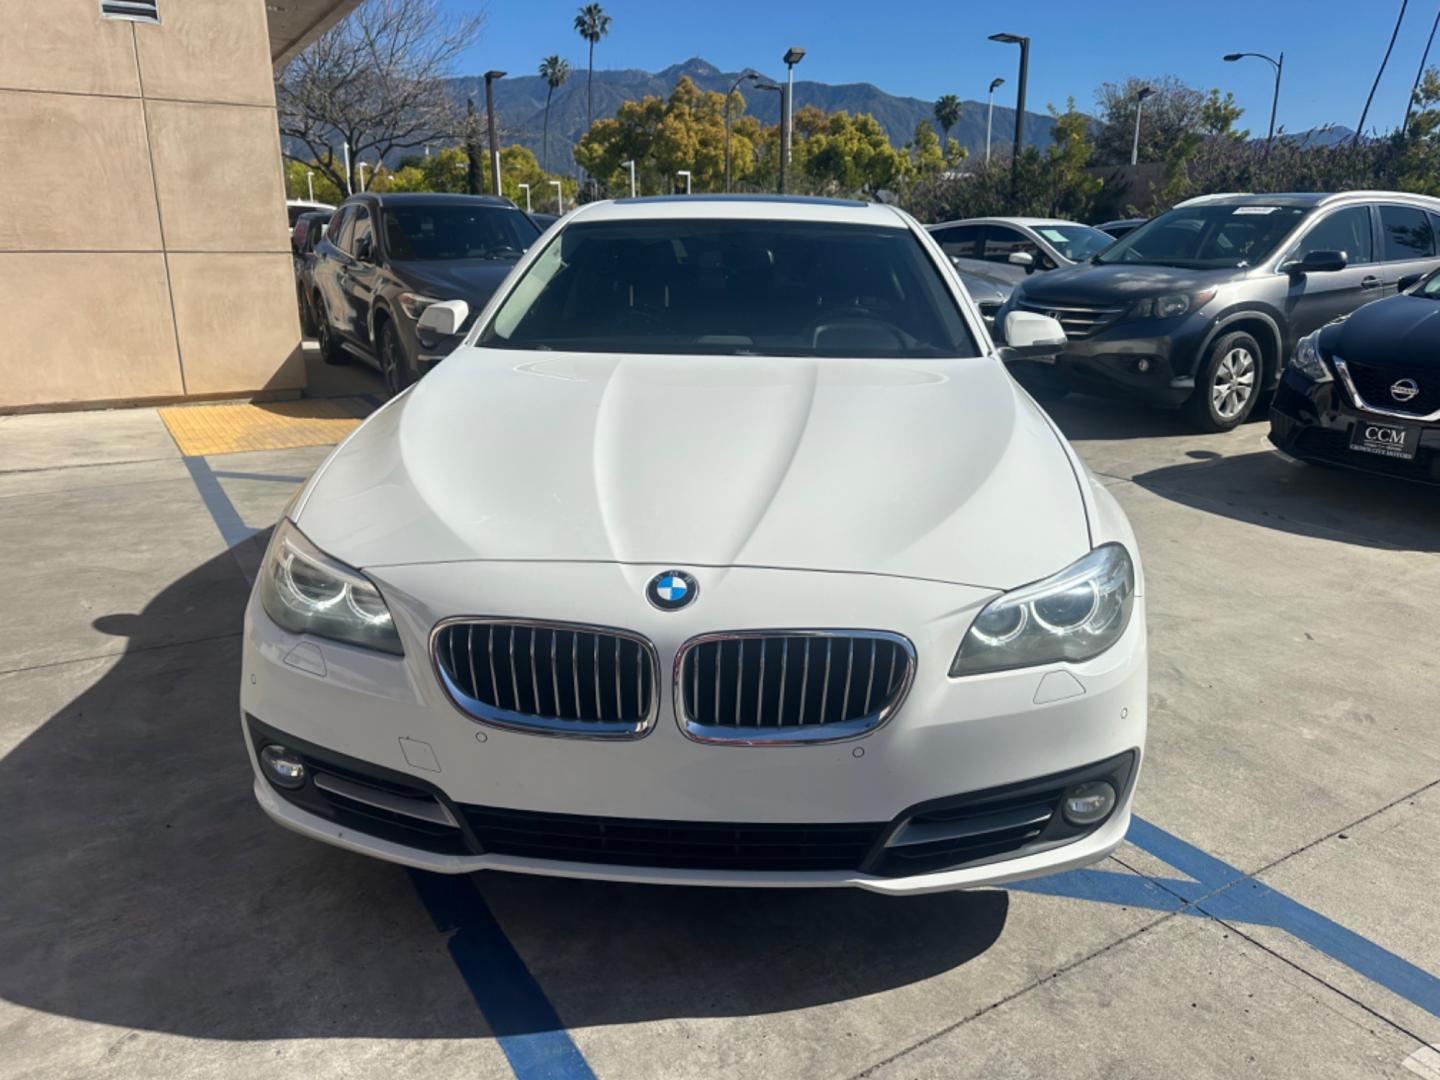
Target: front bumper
<point x="1312" y="421"/>
<point x="951" y="738"/>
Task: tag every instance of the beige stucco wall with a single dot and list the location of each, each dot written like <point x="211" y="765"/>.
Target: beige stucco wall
<point x="143" y="245"/>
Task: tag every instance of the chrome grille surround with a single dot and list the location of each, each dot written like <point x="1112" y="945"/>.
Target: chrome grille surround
<point x="1365" y="405"/>
<point x="1078" y="321"/>
<point x="548" y="678"/>
<point x="872" y="669"/>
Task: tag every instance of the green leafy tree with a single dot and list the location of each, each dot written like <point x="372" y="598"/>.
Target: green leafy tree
<point x="852" y="154"/>
<point x="1218" y="116"/>
<point x="926" y="156"/>
<point x="1068" y="188"/>
<point x="1171" y="112"/>
<point x="947" y="115"/>
<point x="447" y="171"/>
<point x="591" y="23"/>
<point x="554" y="70"/>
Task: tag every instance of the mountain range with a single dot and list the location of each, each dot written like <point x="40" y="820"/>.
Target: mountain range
<point x="520" y="106"/>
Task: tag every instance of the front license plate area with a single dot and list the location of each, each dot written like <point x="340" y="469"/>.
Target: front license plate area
<point x="1386" y="440"/>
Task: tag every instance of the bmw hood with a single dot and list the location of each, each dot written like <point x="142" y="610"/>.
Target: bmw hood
<point x="1401" y="331"/>
<point x="471" y="280"/>
<point x="938" y="470"/>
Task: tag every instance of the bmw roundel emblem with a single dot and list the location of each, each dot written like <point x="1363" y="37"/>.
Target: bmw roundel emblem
<point x="672" y="590"/>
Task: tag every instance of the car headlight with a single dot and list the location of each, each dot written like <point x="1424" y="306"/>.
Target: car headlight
<point x="1307" y="359"/>
<point x="1171" y="305"/>
<point x="414" y="304"/>
<point x="1074" y="615"/>
<point x="305" y="591"/>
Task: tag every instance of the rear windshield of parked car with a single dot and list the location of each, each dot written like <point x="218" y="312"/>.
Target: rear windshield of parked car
<point x="445" y="233"/>
<point x="766" y="288"/>
<point x="1206" y="236"/>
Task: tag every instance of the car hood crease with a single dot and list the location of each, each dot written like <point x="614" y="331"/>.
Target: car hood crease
<point x="928" y="469"/>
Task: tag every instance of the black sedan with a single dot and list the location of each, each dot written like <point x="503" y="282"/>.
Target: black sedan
<point x="1363" y="392"/>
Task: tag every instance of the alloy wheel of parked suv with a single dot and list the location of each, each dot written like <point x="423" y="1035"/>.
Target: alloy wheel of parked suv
<point x="331" y="351"/>
<point x="394" y="365"/>
<point x="1228" y="384"/>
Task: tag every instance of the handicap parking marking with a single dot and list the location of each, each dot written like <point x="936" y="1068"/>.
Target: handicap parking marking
<point x="519" y="1014"/>
<point x="1217" y="890"/>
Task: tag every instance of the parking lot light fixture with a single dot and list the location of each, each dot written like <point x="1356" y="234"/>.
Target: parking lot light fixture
<point x="310" y="180"/>
<point x="631" y="166"/>
<point x="686" y="174"/>
<point x="745" y="76"/>
<point x="1024" y="43"/>
<point x="360" y="168"/>
<point x="793" y="56"/>
<point x="1140" y="96"/>
<point x="1279" y="66"/>
<point x="490" y="77"/>
<point x="525" y="188"/>
<point x="995" y="84"/>
<point x="559" y="197"/>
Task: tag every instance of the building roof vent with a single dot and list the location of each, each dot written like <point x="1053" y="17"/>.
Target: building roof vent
<point x="134" y="10"/>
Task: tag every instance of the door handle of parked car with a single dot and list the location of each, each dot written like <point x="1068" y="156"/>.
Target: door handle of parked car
<point x="1369" y="281"/>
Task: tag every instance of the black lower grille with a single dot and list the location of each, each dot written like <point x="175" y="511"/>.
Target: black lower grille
<point x="1374" y="382"/>
<point x="675" y="844"/>
<point x="1333" y="445"/>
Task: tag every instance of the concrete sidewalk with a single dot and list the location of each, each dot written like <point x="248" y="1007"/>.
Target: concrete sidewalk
<point x="1275" y="917"/>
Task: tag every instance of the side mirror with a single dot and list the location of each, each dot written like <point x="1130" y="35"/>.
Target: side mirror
<point x="1029" y="336"/>
<point x="1022" y="258"/>
<point x="444" y="319"/>
<point x="1318" y="262"/>
<point x="1407" y="280"/>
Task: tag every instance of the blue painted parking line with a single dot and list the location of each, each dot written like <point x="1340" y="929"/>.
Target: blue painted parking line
<point x="519" y="1014"/>
<point x="1220" y="891"/>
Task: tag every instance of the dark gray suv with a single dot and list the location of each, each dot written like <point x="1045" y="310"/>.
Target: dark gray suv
<point x="1199" y="308"/>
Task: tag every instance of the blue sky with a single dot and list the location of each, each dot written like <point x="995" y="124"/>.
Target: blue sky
<point x="924" y="48"/>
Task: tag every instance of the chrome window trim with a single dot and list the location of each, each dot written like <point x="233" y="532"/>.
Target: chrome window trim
<point x="815" y="735"/>
<point x="1376" y="410"/>
<point x="555" y="727"/>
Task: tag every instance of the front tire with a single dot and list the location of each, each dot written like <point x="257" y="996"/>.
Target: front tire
<point x="1227" y="384"/>
<point x="331" y="351"/>
<point x="395" y="365"/>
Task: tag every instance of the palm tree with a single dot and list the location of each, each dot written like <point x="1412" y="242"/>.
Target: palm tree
<point x="591" y="23"/>
<point x="554" y="71"/>
<point x="947" y="115"/>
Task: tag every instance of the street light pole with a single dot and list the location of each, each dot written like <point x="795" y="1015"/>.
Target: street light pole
<point x="525" y="188"/>
<point x="559" y="197"/>
<point x="349" y="187"/>
<point x="990" y="115"/>
<point x="631" y="166"/>
<point x="490" y="77"/>
<point x="310" y="180"/>
<point x="792" y="56"/>
<point x="1140" y="96"/>
<point x="1279" y="66"/>
<point x="744" y="76"/>
<point x="360" y="168"/>
<point x="686" y="174"/>
<point x="1024" y="43"/>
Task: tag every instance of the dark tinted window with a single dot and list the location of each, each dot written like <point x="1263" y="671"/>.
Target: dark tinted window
<point x="1407" y="233"/>
<point x="340" y="225"/>
<point x="361" y="231"/>
<point x="768" y="288"/>
<point x="451" y="231"/>
<point x="1206" y="236"/>
<point x="961" y="241"/>
<point x="1001" y="242"/>
<point x="1345" y="230"/>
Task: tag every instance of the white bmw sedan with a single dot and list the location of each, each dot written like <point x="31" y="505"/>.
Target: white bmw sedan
<point x="723" y="551"/>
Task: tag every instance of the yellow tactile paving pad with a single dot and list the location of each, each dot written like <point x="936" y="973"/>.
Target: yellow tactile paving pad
<point x="227" y="429"/>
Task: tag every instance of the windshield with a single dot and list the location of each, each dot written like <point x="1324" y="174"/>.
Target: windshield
<point x="1431" y="288"/>
<point x="764" y="288"/>
<point x="1076" y="242"/>
<point x="1206" y="236"/>
<point x="444" y="233"/>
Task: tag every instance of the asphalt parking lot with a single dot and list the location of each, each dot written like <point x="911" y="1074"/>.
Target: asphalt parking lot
<point x="1273" y="915"/>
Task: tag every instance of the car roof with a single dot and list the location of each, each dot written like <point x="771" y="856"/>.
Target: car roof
<point x="743" y="207"/>
<point x="1307" y="199"/>
<point x="427" y="198"/>
<point x="1025" y="222"/>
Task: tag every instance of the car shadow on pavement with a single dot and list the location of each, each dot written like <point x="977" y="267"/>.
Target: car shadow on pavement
<point x="143" y="888"/>
<point x="1083" y="418"/>
<point x="1264" y="488"/>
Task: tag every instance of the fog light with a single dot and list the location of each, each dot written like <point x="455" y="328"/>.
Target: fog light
<point x="1085" y="804"/>
<point x="1142" y="365"/>
<point x="283" y="766"/>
